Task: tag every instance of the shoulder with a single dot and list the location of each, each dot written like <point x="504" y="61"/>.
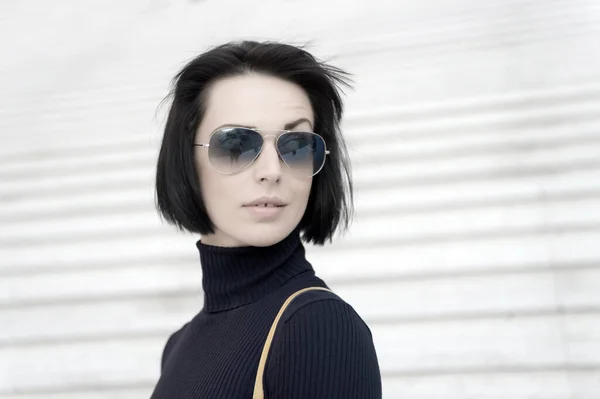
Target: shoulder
<point x="322" y="345"/>
<point x="326" y="307"/>
<point x="171" y="343"/>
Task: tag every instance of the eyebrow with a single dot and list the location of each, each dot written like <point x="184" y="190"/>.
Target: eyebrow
<point x="287" y="126"/>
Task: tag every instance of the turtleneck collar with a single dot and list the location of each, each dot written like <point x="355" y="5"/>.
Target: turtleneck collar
<point x="232" y="277"/>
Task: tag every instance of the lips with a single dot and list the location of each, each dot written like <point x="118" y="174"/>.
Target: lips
<point x="267" y="202"/>
<point x="265" y="209"/>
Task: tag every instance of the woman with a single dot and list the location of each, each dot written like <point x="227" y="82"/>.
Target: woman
<point x="252" y="159"/>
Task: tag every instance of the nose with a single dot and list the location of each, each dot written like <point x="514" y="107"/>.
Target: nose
<point x="267" y="166"/>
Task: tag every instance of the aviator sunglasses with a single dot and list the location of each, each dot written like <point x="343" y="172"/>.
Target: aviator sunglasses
<point x="231" y="149"/>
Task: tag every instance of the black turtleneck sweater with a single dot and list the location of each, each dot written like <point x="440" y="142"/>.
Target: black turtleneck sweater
<point x="322" y="348"/>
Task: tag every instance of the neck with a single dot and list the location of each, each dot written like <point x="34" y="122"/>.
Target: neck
<point x="236" y="276"/>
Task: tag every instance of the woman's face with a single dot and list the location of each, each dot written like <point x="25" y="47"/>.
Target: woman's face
<point x="262" y="102"/>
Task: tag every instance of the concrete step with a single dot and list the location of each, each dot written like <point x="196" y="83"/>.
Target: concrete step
<point x="176" y="293"/>
<point x="481" y="117"/>
<point x="579" y="155"/>
<point x="520" y="343"/>
<point x="466" y="250"/>
<point x="386" y="227"/>
<point x="574" y="183"/>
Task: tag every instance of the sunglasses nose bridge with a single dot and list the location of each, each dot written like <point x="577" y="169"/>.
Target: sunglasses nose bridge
<point x="267" y="164"/>
<point x="270" y="135"/>
<point x="274" y="136"/>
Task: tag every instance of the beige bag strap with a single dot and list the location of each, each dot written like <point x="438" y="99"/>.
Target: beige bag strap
<point x="258" y="384"/>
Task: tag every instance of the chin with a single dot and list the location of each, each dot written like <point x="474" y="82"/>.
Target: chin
<point x="266" y="235"/>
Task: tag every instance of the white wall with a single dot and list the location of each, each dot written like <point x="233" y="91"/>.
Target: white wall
<point x="475" y="133"/>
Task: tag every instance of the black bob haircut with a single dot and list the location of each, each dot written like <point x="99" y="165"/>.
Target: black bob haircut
<point x="178" y="190"/>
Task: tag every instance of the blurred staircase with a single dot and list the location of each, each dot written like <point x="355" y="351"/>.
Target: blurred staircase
<point x="474" y="256"/>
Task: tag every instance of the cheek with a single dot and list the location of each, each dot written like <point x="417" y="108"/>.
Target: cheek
<point x="212" y="184"/>
<point x="302" y="191"/>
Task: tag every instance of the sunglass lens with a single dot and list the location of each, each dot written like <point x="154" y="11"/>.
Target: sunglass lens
<point x="232" y="149"/>
<point x="304" y="152"/>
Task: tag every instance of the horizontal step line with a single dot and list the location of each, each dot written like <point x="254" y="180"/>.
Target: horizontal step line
<point x="100" y="298"/>
<point x="512" y="122"/>
<point x="479" y="316"/>
<point x="373" y="321"/>
<point x="147" y="385"/>
<point x="386" y="157"/>
<point x="82" y="389"/>
<point x="470" y="236"/>
<point x="78" y="170"/>
<point x="479" y="175"/>
<point x="481" y="105"/>
<point x="457" y="273"/>
<point x="452" y="47"/>
<point x="94" y="95"/>
<point x="468" y="128"/>
<point x="77" y="339"/>
<point x="382" y="242"/>
<point x="492" y="271"/>
<point x="509" y="369"/>
<point x="444" y="128"/>
<point x="144" y="102"/>
<point x="73" y="99"/>
<point x="174" y="259"/>
<point x="134" y="143"/>
<point x="70" y="212"/>
<point x="541" y="199"/>
<point x="421" y="181"/>
<point x="478" y="150"/>
<point x="140" y="262"/>
<point x="62" y="213"/>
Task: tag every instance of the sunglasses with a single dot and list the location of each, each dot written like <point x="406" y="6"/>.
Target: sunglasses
<point x="231" y="149"/>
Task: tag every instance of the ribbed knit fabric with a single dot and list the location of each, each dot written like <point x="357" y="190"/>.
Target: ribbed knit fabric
<point x="322" y="348"/>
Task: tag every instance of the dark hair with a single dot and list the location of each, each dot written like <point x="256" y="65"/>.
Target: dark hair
<point x="178" y="192"/>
